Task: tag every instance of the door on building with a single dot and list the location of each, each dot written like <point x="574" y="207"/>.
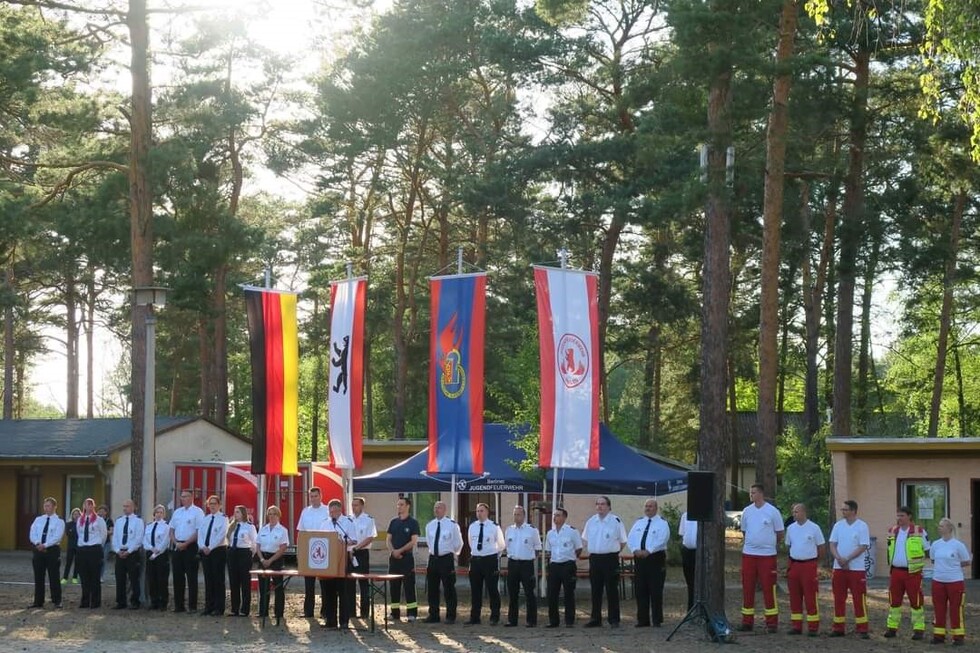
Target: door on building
<point x="28" y="507"/>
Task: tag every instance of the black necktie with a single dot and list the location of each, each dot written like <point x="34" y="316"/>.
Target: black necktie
<point x="153" y="535"/>
<point x="479" y="541"/>
<point x="126" y="531"/>
<point x="643" y="540"/>
<point x="44" y="532"/>
<point x="86" y="530"/>
<point x="234" y="539"/>
<point x="438" y="533"/>
<point x="207" y="539"/>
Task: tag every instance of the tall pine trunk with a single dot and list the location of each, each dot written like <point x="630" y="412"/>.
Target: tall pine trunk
<point x="772" y="212"/>
<point x="946" y="314"/>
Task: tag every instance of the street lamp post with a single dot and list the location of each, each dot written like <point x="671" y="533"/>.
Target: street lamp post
<point x="149" y="296"/>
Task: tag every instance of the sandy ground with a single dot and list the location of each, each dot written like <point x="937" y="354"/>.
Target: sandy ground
<point x="89" y="631"/>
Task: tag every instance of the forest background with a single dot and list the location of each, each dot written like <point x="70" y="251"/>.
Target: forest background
<point x="742" y="176"/>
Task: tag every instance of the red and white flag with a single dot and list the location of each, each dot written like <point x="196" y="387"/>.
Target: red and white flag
<point x="346" y="389"/>
<point x="568" y="326"/>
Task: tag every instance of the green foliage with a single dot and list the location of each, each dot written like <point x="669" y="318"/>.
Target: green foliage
<point x="804" y="471"/>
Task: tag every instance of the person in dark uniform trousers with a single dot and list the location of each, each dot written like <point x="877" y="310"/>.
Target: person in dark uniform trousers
<point x="364" y="532"/>
<point x="604" y="536"/>
<point x="445" y="542"/>
<point x="688" y="531"/>
<point x="523" y="544"/>
<point x="92" y="534"/>
<point x="648" y="542"/>
<point x="71" y="530"/>
<point x="272" y="542"/>
<point x="241" y="548"/>
<point x="310" y="519"/>
<point x="156" y="547"/>
<point x="564" y="545"/>
<point x="184" y="524"/>
<point x="486" y="543"/>
<point x="214" y="556"/>
<point x="403" y="534"/>
<point x="45" y="535"/>
<point x="127" y="541"/>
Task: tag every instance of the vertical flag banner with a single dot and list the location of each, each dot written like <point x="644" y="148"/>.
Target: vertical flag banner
<point x="568" y="326"/>
<point x="456" y="374"/>
<point x="275" y="380"/>
<point x="346" y="391"/>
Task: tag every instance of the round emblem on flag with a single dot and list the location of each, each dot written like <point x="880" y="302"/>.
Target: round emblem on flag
<point x="452" y="379"/>
<point x="573" y="360"/>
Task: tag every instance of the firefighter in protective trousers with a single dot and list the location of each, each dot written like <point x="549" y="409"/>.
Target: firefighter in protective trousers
<point x="907" y="547"/>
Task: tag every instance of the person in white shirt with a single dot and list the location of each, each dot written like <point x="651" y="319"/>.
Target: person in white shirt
<point x="805" y="542"/>
<point x="445" y="542"/>
<point x="564" y="545"/>
<point x="92" y="534"/>
<point x="184" y="524"/>
<point x="604" y="536"/>
<point x="127" y="541"/>
<point x="523" y="545"/>
<point x="849" y="542"/>
<point x="486" y="543"/>
<point x="949" y="556"/>
<point x="338" y="610"/>
<point x="310" y="519"/>
<point x="688" y="532"/>
<point x="648" y="542"/>
<point x="762" y="526"/>
<point x="45" y="535"/>
<point x="214" y="557"/>
<point x="272" y="542"/>
<point x="364" y="532"/>
<point x="156" y="544"/>
<point x="241" y="548"/>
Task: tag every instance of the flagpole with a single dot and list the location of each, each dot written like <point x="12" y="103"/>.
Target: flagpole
<point x="453" y="499"/>
<point x="563" y="259"/>
<point x="348" y="472"/>
<point x="260" y="513"/>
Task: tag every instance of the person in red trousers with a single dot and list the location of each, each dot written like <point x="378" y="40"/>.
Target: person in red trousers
<point x="949" y="556"/>
<point x="762" y="526"/>
<point x="805" y="542"/>
<point x="849" y="542"/>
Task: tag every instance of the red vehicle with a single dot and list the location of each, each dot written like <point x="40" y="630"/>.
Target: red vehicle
<point x="236" y="485"/>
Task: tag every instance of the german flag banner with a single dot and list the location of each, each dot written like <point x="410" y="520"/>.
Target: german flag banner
<point x="275" y="380"/>
<point x="568" y="331"/>
<point x="345" y="398"/>
<point x="456" y="374"/>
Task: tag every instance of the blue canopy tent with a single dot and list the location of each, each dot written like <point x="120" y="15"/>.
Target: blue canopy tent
<point x="623" y="471"/>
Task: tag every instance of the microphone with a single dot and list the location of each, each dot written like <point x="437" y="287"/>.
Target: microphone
<point x="347" y="539"/>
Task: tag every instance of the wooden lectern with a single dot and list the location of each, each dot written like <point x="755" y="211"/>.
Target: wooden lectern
<point x="321" y="553"/>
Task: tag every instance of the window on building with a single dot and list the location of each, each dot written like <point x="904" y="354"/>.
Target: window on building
<point x="77" y="489"/>
<point x="929" y="501"/>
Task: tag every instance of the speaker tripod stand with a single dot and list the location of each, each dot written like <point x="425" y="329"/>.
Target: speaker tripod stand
<point x="698" y="614"/>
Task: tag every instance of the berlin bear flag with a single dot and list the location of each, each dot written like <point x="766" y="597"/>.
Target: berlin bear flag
<point x="568" y="327"/>
<point x="275" y="379"/>
<point x="456" y="374"/>
<point x="346" y="390"/>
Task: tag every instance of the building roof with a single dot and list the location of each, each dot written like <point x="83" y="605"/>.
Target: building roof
<point x="909" y="447"/>
<point x="73" y="438"/>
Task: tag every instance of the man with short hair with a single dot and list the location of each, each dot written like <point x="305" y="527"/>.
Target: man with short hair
<point x="486" y="543"/>
<point x="445" y="542"/>
<point x="762" y="527"/>
<point x="403" y="534"/>
<point x="564" y="545"/>
<point x="648" y="542"/>
<point x="337" y="598"/>
<point x="907" y="549"/>
<point x="364" y="533"/>
<point x="310" y="519"/>
<point x="805" y="542"/>
<point x="45" y="535"/>
<point x="212" y="539"/>
<point x="687" y="529"/>
<point x="849" y="543"/>
<point x="127" y="542"/>
<point x="184" y="524"/>
<point x="604" y="536"/>
<point x="523" y="544"/>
